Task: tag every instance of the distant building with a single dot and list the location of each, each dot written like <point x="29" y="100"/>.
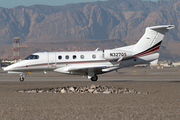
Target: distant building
<point x="177" y="64"/>
<point x="5" y="63"/>
<point x="10" y="61"/>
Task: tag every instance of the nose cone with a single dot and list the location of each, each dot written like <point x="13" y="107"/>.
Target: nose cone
<point x="8" y="68"/>
<point x="14" y="67"/>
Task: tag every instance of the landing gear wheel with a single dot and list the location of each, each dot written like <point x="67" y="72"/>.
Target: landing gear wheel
<point x="94" y="78"/>
<point x="21" y="79"/>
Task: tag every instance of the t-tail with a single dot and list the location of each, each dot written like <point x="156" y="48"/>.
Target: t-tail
<point x="151" y="40"/>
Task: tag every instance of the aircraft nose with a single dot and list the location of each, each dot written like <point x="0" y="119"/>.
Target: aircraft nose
<point x="8" y="68"/>
<point x="5" y="69"/>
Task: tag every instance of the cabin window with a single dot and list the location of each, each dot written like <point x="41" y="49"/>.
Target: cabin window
<point x="60" y="57"/>
<point x="93" y="56"/>
<point x="67" y="57"/>
<point x="82" y="56"/>
<point x="32" y="57"/>
<point x="74" y="56"/>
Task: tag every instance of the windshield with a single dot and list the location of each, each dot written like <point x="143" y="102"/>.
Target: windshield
<point x="31" y="57"/>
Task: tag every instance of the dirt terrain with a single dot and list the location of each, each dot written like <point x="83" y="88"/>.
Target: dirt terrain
<point x="162" y="102"/>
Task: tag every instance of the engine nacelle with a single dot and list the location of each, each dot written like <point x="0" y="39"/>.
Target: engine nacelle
<point x="116" y="54"/>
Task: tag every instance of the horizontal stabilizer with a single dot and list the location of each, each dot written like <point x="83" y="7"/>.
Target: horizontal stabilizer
<point x="154" y="62"/>
<point x="162" y="27"/>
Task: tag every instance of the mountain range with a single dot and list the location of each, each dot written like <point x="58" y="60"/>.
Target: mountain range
<point x="84" y="26"/>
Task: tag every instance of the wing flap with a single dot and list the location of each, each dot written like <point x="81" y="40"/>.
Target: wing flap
<point x="86" y="68"/>
<point x="69" y="69"/>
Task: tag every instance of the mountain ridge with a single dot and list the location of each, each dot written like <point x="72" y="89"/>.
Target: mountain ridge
<point x="83" y="20"/>
<point x="112" y="19"/>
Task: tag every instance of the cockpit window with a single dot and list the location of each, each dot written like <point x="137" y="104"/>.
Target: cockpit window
<point x="31" y="57"/>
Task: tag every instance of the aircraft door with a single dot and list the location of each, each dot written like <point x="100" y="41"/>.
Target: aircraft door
<point x="52" y="60"/>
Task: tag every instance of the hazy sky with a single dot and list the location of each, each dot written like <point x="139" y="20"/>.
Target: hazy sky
<point x="14" y="3"/>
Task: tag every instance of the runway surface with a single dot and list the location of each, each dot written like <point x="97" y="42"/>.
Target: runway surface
<point x="162" y="102"/>
<point x="126" y="74"/>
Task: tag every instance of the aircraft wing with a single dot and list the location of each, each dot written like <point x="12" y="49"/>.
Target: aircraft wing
<point x="86" y="68"/>
<point x="69" y="69"/>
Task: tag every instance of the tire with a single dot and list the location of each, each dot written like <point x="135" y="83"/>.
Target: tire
<point x="94" y="78"/>
<point x="21" y="79"/>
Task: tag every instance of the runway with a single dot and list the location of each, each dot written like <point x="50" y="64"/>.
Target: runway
<point x="162" y="102"/>
<point x="126" y="74"/>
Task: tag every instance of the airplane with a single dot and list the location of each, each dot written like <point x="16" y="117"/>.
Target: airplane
<point x="93" y="63"/>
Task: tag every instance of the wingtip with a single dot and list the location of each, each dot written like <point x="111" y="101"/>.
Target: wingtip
<point x="171" y="27"/>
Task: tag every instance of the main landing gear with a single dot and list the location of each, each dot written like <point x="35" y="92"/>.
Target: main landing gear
<point x="92" y="75"/>
<point x="21" y="78"/>
<point x="94" y="78"/>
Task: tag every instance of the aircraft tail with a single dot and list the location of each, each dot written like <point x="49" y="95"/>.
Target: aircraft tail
<point x="151" y="40"/>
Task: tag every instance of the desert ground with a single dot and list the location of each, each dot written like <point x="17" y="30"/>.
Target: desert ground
<point x="162" y="102"/>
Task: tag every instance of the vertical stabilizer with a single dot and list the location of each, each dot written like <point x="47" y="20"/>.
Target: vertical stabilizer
<point x="151" y="40"/>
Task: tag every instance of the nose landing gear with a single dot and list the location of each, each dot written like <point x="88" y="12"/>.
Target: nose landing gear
<point x="21" y="78"/>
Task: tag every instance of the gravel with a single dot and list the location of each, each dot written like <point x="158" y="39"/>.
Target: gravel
<point x="103" y="100"/>
<point x="95" y="89"/>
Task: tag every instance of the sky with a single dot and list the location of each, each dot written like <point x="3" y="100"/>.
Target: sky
<point x="15" y="3"/>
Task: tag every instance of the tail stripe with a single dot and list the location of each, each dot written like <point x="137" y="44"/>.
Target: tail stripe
<point x="152" y="49"/>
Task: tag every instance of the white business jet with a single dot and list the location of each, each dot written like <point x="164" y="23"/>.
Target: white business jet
<point x="92" y="63"/>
